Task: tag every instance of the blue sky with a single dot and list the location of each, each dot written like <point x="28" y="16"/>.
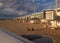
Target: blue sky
<point x="24" y="7"/>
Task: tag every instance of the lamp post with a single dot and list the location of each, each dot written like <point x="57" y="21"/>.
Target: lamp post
<point x="56" y="10"/>
<point x="34" y="5"/>
<point x="56" y="5"/>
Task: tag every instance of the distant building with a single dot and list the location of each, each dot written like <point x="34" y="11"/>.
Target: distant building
<point x="49" y="14"/>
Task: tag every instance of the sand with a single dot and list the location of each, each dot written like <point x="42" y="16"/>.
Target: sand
<point x="20" y="28"/>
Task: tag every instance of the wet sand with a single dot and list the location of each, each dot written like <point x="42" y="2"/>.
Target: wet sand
<point x="20" y="28"/>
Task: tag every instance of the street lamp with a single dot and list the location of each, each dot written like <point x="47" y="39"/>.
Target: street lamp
<point x="56" y="10"/>
<point x="34" y="5"/>
<point x="56" y="5"/>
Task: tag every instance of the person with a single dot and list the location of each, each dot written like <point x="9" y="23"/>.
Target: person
<point x="30" y="28"/>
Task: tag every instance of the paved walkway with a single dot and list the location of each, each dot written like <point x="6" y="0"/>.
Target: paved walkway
<point x="6" y="38"/>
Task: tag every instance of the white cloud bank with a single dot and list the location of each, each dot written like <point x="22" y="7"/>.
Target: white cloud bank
<point x="1" y="4"/>
<point x="11" y="6"/>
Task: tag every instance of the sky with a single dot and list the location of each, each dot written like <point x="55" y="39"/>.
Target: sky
<point x="24" y="7"/>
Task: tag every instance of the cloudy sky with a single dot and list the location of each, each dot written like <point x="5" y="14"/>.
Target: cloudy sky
<point x="24" y="7"/>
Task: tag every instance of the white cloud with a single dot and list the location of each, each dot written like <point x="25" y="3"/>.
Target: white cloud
<point x="8" y="11"/>
<point x="13" y="11"/>
<point x="10" y="6"/>
<point x="1" y="4"/>
<point x="21" y="12"/>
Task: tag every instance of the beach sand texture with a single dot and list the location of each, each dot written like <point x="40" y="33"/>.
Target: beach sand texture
<point x="20" y="28"/>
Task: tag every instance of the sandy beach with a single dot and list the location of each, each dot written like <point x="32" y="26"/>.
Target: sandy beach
<point x="20" y="28"/>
